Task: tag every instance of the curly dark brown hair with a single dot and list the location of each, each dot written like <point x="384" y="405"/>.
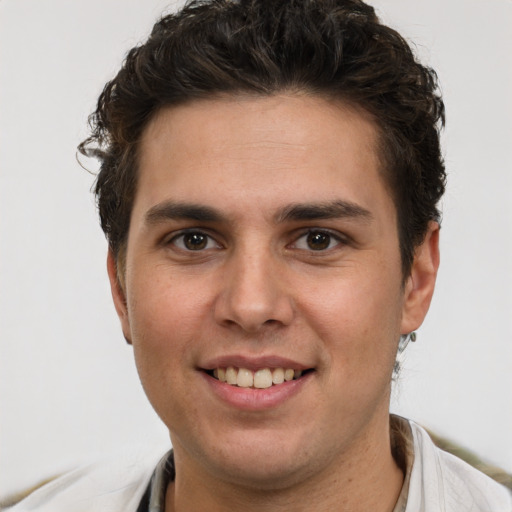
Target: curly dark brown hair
<point x="331" y="48"/>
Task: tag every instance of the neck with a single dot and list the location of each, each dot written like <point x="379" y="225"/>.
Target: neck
<point x="365" y="478"/>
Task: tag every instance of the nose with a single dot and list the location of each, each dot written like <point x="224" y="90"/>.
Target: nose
<point x="253" y="293"/>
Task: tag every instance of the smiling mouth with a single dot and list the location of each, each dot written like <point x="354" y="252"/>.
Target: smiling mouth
<point x="259" y="379"/>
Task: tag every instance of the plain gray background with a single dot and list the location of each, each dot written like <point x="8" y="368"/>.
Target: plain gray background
<point x="68" y="387"/>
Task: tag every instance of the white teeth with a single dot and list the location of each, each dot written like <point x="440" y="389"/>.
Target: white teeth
<point x="260" y="379"/>
<point x="245" y="378"/>
<point x="278" y="376"/>
<point x="231" y="375"/>
<point x="263" y="379"/>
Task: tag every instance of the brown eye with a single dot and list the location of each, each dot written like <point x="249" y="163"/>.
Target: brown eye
<point x="194" y="241"/>
<point x="318" y="240"/>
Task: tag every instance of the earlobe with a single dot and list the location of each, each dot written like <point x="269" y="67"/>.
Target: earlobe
<point x="118" y="295"/>
<point x="420" y="284"/>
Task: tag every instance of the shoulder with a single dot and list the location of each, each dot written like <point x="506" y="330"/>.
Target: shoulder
<point x="111" y="485"/>
<point x="441" y="481"/>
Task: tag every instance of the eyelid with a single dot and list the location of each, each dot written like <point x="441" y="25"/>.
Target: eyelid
<point x="171" y="238"/>
<point x="340" y="238"/>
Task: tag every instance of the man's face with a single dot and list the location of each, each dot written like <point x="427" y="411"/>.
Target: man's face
<point x="263" y="238"/>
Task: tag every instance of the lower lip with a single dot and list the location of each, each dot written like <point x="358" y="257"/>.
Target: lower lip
<point x="251" y="399"/>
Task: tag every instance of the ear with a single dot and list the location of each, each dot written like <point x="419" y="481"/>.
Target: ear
<point x="119" y="296"/>
<point x="420" y="284"/>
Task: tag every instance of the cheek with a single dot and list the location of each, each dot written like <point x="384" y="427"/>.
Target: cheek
<point x="165" y="321"/>
<point x="358" y="320"/>
<point x="161" y="306"/>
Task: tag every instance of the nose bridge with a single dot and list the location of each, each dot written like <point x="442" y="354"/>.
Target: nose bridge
<point x="253" y="292"/>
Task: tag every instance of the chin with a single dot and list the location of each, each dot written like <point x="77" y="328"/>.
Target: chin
<point x="261" y="462"/>
<point x="263" y="475"/>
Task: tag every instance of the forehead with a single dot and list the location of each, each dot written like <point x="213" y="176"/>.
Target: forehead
<point x="260" y="150"/>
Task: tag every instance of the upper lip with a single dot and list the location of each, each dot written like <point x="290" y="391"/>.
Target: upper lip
<point x="253" y="363"/>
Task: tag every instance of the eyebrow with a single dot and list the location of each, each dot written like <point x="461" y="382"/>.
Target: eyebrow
<point x="318" y="211"/>
<point x="170" y="210"/>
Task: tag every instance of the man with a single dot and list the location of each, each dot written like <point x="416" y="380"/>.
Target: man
<point x="269" y="187"/>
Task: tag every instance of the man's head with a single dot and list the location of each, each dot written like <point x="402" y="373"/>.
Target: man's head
<point x="270" y="173"/>
<point x="337" y="50"/>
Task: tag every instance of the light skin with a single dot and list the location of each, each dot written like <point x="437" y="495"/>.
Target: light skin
<point x="263" y="235"/>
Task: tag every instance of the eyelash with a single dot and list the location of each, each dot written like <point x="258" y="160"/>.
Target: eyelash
<point x="333" y="240"/>
<point x="192" y="232"/>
